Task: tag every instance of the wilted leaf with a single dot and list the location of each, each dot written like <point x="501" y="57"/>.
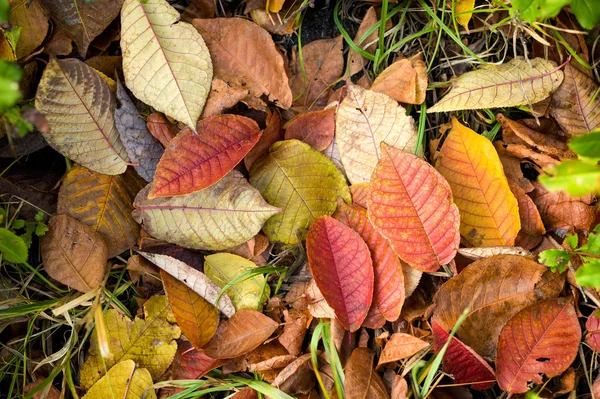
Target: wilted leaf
<point x="400" y="346"/>
<point x="411" y="205"/>
<point x="226" y="214"/>
<point x="532" y="228"/>
<point x="388" y="292"/>
<point x="160" y="127"/>
<point x="150" y="342"/>
<point x="31" y="16"/>
<point x="73" y="253"/>
<point x="104" y="203"/>
<point x="317" y="305"/>
<point x="142" y="148"/>
<point x="361" y="380"/>
<point x="541" y="339"/>
<point x="478" y="253"/>
<point x="341" y="266"/>
<point x="517" y="82"/>
<point x="243" y="53"/>
<point x="462" y="362"/>
<point x="249" y="293"/>
<point x="79" y="108"/>
<point x="191" y="363"/>
<point x="123" y="380"/>
<point x="364" y="120"/>
<point x="510" y="283"/>
<point x="194" y="161"/>
<point x="12" y="247"/>
<point x="300" y="180"/>
<point x="297" y="377"/>
<point x="315" y="128"/>
<point x="241" y="334"/>
<point x="405" y="80"/>
<point x="172" y="78"/>
<point x="197" y="318"/>
<point x="489" y="213"/>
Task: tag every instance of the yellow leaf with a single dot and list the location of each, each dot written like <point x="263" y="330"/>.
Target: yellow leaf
<point x="149" y="342"/>
<point x="518" y="82"/>
<point x="166" y="63"/>
<point x="364" y="120"/>
<point x="221" y="216"/>
<point x="123" y="381"/>
<point x="303" y="182"/>
<point x="464" y="11"/>
<point x="249" y="293"/>
<point x="489" y="214"/>
<point x="29" y="15"/>
<point x="104" y="203"/>
<point x="79" y="108"/>
<point x="275" y="5"/>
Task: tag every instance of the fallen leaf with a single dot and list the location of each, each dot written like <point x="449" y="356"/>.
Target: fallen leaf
<point x="150" y="342"/>
<point x="364" y="120"/>
<point x="104" y="203"/>
<point x="199" y="9"/>
<point x="160" y="127"/>
<point x="59" y="44"/>
<point x="317" y="305"/>
<point x="79" y="108"/>
<point x="245" y="393"/>
<point x="221" y="216"/>
<point x="360" y="193"/>
<point x="241" y="334"/>
<point x="361" y="380"/>
<point x="532" y="227"/>
<point x="31" y="17"/>
<point x="107" y="64"/>
<point x="411" y="205"/>
<point x="267" y="358"/>
<point x="478" y="253"/>
<point x="297" y="377"/>
<point x="511" y="283"/>
<point x="400" y="346"/>
<point x="73" y="253"/>
<point x="270" y="136"/>
<point x="399" y="388"/>
<point x="543" y="338"/>
<point x="123" y="380"/>
<point x="191" y="363"/>
<point x="333" y="154"/>
<point x="489" y="213"/>
<point x="300" y="180"/>
<point x="512" y="169"/>
<point x="405" y="81"/>
<point x="49" y="392"/>
<point x="356" y="61"/>
<point x="592" y="326"/>
<point x="197" y="318"/>
<point x="157" y="67"/>
<point x="463" y="11"/>
<point x="194" y="161"/>
<point x="273" y="23"/>
<point x="294" y="331"/>
<point x="341" y="266"/>
<point x="462" y="362"/>
<point x="244" y="53"/>
<point x="315" y="128"/>
<point x="517" y="82"/>
<point x="221" y="97"/>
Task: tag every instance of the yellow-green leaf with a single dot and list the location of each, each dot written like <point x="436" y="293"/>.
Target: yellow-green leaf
<point x="150" y="341"/>
<point x="166" y="63"/>
<point x="250" y="292"/>
<point x="301" y="180"/>
<point x="123" y="381"/>
<point x="463" y="11"/>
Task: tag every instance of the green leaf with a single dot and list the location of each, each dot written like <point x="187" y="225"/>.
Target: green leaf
<point x="40" y="229"/>
<point x="587" y="12"/>
<point x="589" y="274"/>
<point x="12" y="247"/>
<point x="575" y="177"/>
<point x="533" y="10"/>
<point x="17" y="224"/>
<point x="587" y="145"/>
<point x="13" y="37"/>
<point x="555" y="259"/>
<point x="10" y="74"/>
<point x="592" y="246"/>
<point x="4" y="10"/>
<point x="572" y="240"/>
<point x="39" y="217"/>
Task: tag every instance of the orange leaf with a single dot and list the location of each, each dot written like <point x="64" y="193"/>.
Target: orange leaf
<point x="532" y="227"/>
<point x="411" y="205"/>
<point x="341" y="265"/>
<point x="360" y="193"/>
<point x="489" y="214"/>
<point x="405" y="81"/>
<point x="362" y="382"/>
<point x="315" y="128"/>
<point x="160" y="127"/>
<point x="400" y="346"/>
<point x="195" y="161"/>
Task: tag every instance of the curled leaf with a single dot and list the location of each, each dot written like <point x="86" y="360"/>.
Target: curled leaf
<point x="405" y="81"/>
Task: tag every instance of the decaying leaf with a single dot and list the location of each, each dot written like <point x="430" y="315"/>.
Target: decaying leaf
<point x="297" y="377"/>
<point x="31" y="16"/>
<point x="361" y="380"/>
<point x="478" y="253"/>
<point x="294" y="330"/>
<point x="364" y="120"/>
<point x="356" y="61"/>
<point x="222" y="96"/>
<point x="221" y="216"/>
<point x="517" y="82"/>
<point x="532" y="227"/>
<point x="316" y="303"/>
<point x="150" y="341"/>
<point x="73" y="253"/>
<point x="123" y="380"/>
<point x="160" y="127"/>
<point x="405" y="81"/>
<point x="315" y="128"/>
<point x="173" y="79"/>
<point x="79" y="108"/>
<point x="400" y="346"/>
<point x="270" y="136"/>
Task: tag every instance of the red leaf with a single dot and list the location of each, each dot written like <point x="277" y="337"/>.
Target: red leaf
<point x="341" y="265"/>
<point x="191" y="363"/>
<point x="593" y="332"/>
<point x="542" y="338"/>
<point x="315" y="128"/>
<point x="410" y="204"/>
<point x="194" y="161"/>
<point x="462" y="362"/>
<point x="160" y="127"/>
<point x="388" y="293"/>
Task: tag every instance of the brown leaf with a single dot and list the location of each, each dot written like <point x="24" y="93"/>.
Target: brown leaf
<point x="32" y="18"/>
<point x="356" y="61"/>
<point x="405" y="81"/>
<point x="246" y="393"/>
<point x="49" y="392"/>
<point x="160" y="127"/>
<point x="399" y="388"/>
<point x="241" y="334"/>
<point x="191" y="363"/>
<point x="512" y="169"/>
<point x="107" y="64"/>
<point x="297" y="377"/>
<point x="274" y="23"/>
<point x="271" y="134"/>
<point x="400" y="346"/>
<point x="362" y="382"/>
<point x="294" y="331"/>
<point x="315" y="128"/>
<point x="221" y="97"/>
<point x="59" y="44"/>
<point x="532" y="228"/>
<point x="269" y="357"/>
<point x="199" y="9"/>
<point x="317" y="306"/>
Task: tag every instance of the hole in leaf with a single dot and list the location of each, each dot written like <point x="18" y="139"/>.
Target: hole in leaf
<point x="542" y="359"/>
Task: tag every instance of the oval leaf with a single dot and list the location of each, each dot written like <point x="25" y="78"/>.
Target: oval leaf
<point x="341" y="265"/>
<point x="123" y="380"/>
<point x="315" y="128"/>
<point x="592" y="326"/>
<point x="13" y="247"/>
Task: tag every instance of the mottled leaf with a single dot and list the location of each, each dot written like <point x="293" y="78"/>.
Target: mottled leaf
<point x="400" y="346"/>
<point x="123" y="380"/>
<point x="361" y="380"/>
<point x="31" y="16"/>
<point x="315" y="128"/>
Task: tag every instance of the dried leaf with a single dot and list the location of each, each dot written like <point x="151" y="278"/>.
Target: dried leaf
<point x="411" y="205"/>
<point x="356" y="61"/>
<point x="191" y="363"/>
<point x="160" y="127"/>
<point x="172" y="78"/>
<point x="31" y="17"/>
<point x="317" y="306"/>
<point x="478" y="253"/>
<point x="104" y="203"/>
<point x="194" y="161"/>
<point x="315" y="128"/>
<point x="361" y="380"/>
<point x="79" y="108"/>
<point x="73" y="253"/>
<point x="294" y="331"/>
<point x="360" y="193"/>
<point x="244" y="53"/>
<point x="125" y="381"/>
<point x="400" y="346"/>
<point x="297" y="377"/>
<point x="221" y="97"/>
<point x="364" y="120"/>
<point x="270" y="136"/>
<point x="517" y="82"/>
<point x="150" y="342"/>
<point x="489" y="213"/>
<point x="341" y="265"/>
<point x="541" y="339"/>
<point x="532" y="228"/>
<point x="226" y="214"/>
<point x="405" y="81"/>
<point x="593" y="332"/>
<point x="399" y="388"/>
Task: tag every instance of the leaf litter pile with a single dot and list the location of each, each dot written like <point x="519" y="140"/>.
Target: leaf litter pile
<point x="291" y="199"/>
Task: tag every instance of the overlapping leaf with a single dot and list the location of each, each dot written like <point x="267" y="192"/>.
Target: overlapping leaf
<point x="361" y="380"/>
<point x="159" y="126"/>
<point x="79" y="108"/>
<point x="224" y="215"/>
<point x="123" y="380"/>
<point x="342" y="268"/>
<point x="592" y="326"/>
<point x="303" y="182"/>
<point x="405" y="81"/>
<point x="400" y="346"/>
<point x="191" y="363"/>
<point x="411" y="205"/>
<point x="532" y="227"/>
<point x="489" y="213"/>
<point x="315" y="128"/>
<point x="172" y="78"/>
<point x="31" y="16"/>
